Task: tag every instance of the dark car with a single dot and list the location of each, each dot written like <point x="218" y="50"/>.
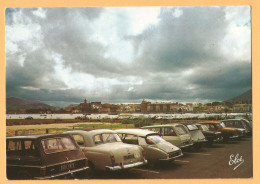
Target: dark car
<point x="238" y="123"/>
<point x="211" y="136"/>
<point x="47" y="156"/>
<point x="227" y="133"/>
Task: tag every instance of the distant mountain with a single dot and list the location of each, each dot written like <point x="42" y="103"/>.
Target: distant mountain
<point x="243" y="98"/>
<point x="18" y="105"/>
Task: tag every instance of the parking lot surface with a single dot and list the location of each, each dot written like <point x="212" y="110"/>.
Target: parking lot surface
<point x="223" y="160"/>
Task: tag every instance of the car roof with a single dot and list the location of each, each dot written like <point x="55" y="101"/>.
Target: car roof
<point x="138" y="132"/>
<point x="208" y="122"/>
<point x="91" y="132"/>
<point x="35" y="136"/>
<point x="232" y="120"/>
<point x="166" y="125"/>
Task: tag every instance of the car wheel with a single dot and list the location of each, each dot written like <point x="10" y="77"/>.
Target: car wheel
<point x="24" y="175"/>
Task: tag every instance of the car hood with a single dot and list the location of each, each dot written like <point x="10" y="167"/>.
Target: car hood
<point x="228" y="129"/>
<point x="166" y="146"/>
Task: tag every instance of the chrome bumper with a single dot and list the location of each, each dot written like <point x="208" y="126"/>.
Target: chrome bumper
<point x="185" y="146"/>
<point x="234" y="137"/>
<point x="127" y="166"/>
<point x="172" y="158"/>
<point x="70" y="173"/>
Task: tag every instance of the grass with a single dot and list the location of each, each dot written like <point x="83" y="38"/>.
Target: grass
<point x="104" y="125"/>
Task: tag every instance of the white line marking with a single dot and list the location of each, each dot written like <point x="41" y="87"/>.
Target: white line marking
<point x="146" y="170"/>
<point x="181" y="161"/>
<point x="198" y="153"/>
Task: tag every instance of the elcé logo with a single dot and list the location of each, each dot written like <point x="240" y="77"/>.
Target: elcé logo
<point x="236" y="160"/>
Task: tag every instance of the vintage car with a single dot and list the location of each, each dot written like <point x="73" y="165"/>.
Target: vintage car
<point x="156" y="148"/>
<point x="47" y="156"/>
<point x="106" y="151"/>
<point x="197" y="136"/>
<point x="227" y="133"/>
<point x="238" y="123"/>
<point x="211" y="136"/>
<point x="176" y="134"/>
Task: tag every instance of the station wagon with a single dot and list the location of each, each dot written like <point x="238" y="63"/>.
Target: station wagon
<point x="156" y="148"/>
<point x="46" y="156"/>
<point x="176" y="134"/>
<point x="197" y="136"/>
<point x="106" y="151"/>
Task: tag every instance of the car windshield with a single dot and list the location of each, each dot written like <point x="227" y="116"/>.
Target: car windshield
<point x="204" y="128"/>
<point x="181" y="130"/>
<point x="154" y="139"/>
<point x="222" y="124"/>
<point x="57" y="144"/>
<point x="219" y="125"/>
<point x="106" y="138"/>
<point x="192" y="127"/>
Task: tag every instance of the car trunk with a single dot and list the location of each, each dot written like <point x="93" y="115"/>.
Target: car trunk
<point x="63" y="161"/>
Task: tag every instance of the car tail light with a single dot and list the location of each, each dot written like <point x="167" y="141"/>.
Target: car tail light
<point x="144" y="153"/>
<point x="113" y="160"/>
<point x="84" y="151"/>
<point x="235" y="132"/>
<point x="86" y="161"/>
<point x="43" y="171"/>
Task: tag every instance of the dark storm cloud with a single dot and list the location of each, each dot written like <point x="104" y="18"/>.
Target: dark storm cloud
<point x="190" y="41"/>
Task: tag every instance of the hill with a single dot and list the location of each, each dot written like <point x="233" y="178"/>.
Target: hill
<point x="243" y="98"/>
<point x="18" y="105"/>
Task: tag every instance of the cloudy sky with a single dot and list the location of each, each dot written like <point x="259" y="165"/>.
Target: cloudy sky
<point x="61" y="56"/>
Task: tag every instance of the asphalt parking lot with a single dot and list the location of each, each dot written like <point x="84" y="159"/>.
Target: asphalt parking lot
<point x="223" y="160"/>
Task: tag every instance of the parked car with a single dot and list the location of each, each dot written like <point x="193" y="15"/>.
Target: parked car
<point x="46" y="156"/>
<point x="106" y="151"/>
<point x="241" y="131"/>
<point x="211" y="136"/>
<point x="28" y="117"/>
<point x="197" y="136"/>
<point x="156" y="148"/>
<point x="238" y="123"/>
<point x="227" y="133"/>
<point x="176" y="134"/>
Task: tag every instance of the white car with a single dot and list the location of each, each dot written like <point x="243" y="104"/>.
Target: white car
<point x="105" y="150"/>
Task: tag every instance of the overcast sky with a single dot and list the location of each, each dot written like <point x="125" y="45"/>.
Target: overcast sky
<point x="61" y="56"/>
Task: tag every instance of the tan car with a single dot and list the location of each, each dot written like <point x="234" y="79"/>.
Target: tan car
<point x="156" y="148"/>
<point x="175" y="133"/>
<point x="105" y="150"/>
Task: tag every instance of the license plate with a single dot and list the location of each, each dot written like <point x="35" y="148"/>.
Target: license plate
<point x="129" y="157"/>
<point x="67" y="166"/>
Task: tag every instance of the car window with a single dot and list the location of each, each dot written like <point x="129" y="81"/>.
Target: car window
<point x="106" y="138"/>
<point x="58" y="144"/>
<point x="222" y="125"/>
<point x="14" y="147"/>
<point x="168" y="131"/>
<point x="157" y="130"/>
<point x="29" y="148"/>
<point x="181" y="130"/>
<point x="154" y="139"/>
<point x="131" y="139"/>
<point x="204" y="128"/>
<point x="192" y="127"/>
<point x="79" y="139"/>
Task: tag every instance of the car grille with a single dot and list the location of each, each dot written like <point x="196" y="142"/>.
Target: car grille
<point x="174" y="153"/>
